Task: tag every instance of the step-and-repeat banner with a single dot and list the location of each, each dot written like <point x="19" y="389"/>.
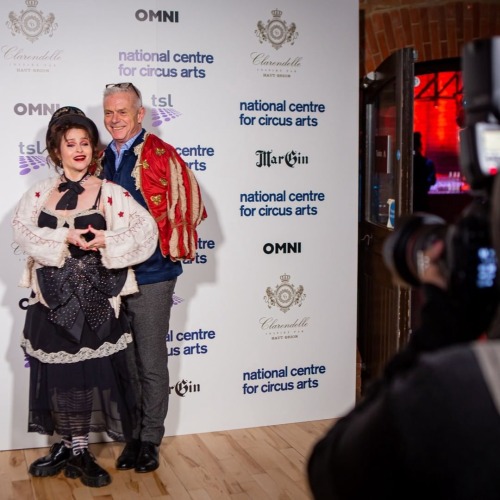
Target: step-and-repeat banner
<point x="260" y="99"/>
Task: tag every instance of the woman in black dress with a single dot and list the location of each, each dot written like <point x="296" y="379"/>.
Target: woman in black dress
<point x="80" y="235"/>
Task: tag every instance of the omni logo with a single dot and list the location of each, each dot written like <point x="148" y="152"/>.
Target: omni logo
<point x="40" y="109"/>
<point x="270" y="248"/>
<point x="160" y="16"/>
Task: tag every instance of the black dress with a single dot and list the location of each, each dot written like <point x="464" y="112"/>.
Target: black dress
<point x="76" y="347"/>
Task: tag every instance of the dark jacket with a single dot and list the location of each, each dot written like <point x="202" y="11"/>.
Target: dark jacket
<point x="428" y="429"/>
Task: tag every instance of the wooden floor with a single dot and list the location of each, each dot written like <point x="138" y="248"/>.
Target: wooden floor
<point x="259" y="463"/>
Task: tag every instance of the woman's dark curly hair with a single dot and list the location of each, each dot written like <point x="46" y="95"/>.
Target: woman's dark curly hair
<point x="59" y="126"/>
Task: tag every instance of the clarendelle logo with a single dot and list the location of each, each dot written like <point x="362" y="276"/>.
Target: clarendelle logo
<point x="276" y="31"/>
<point x="285" y="295"/>
<point x="29" y="108"/>
<point x="160" y="16"/>
<point x="33" y="25"/>
<point x="31" y="22"/>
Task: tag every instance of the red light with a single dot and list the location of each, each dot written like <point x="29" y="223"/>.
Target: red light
<point x="435" y="117"/>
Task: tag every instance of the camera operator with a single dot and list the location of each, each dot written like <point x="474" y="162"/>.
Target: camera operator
<point x="429" y="428"/>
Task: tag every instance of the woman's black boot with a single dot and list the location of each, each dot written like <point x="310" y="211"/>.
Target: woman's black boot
<point x="51" y="464"/>
<point x="87" y="469"/>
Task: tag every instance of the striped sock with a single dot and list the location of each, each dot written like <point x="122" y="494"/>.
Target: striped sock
<point x="79" y="444"/>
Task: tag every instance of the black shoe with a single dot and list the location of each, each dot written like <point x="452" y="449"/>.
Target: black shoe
<point x="51" y="464"/>
<point x="128" y="456"/>
<point x="87" y="469"/>
<point x="147" y="460"/>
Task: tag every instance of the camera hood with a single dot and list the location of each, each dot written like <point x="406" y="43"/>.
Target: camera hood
<point x="411" y="234"/>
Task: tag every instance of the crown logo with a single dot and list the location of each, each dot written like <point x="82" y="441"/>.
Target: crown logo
<point x="276" y="31"/>
<point x="31" y="22"/>
<point x="285" y="295"/>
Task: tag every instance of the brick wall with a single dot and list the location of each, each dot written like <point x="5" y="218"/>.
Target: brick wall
<point x="436" y="29"/>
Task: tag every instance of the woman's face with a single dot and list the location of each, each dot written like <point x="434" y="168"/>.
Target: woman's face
<point x="75" y="152"/>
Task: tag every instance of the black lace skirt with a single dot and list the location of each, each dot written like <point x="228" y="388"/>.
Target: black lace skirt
<point x="77" y="352"/>
<point x="89" y="394"/>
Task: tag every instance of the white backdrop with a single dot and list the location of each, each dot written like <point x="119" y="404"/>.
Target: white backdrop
<point x="262" y="98"/>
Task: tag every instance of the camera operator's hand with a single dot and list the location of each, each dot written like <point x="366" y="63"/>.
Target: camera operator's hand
<point x="428" y="267"/>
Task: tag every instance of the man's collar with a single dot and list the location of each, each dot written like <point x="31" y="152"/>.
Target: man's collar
<point x="127" y="144"/>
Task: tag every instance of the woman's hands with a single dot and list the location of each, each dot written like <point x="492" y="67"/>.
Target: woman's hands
<point x="78" y="238"/>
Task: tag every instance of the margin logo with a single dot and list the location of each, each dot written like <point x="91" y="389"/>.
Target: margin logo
<point x="184" y="387"/>
<point x="290" y="159"/>
<point x="31" y="22"/>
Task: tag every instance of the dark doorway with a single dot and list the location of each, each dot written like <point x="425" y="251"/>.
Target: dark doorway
<point x="386" y="129"/>
<point x="398" y="98"/>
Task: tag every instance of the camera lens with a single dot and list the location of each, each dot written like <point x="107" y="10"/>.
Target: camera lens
<point x="412" y="233"/>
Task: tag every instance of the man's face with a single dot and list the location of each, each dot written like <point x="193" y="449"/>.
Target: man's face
<point x="121" y="118"/>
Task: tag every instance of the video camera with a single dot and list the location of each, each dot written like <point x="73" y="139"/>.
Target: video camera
<point x="469" y="263"/>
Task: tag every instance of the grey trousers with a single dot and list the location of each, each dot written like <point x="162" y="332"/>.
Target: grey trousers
<point x="149" y="311"/>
